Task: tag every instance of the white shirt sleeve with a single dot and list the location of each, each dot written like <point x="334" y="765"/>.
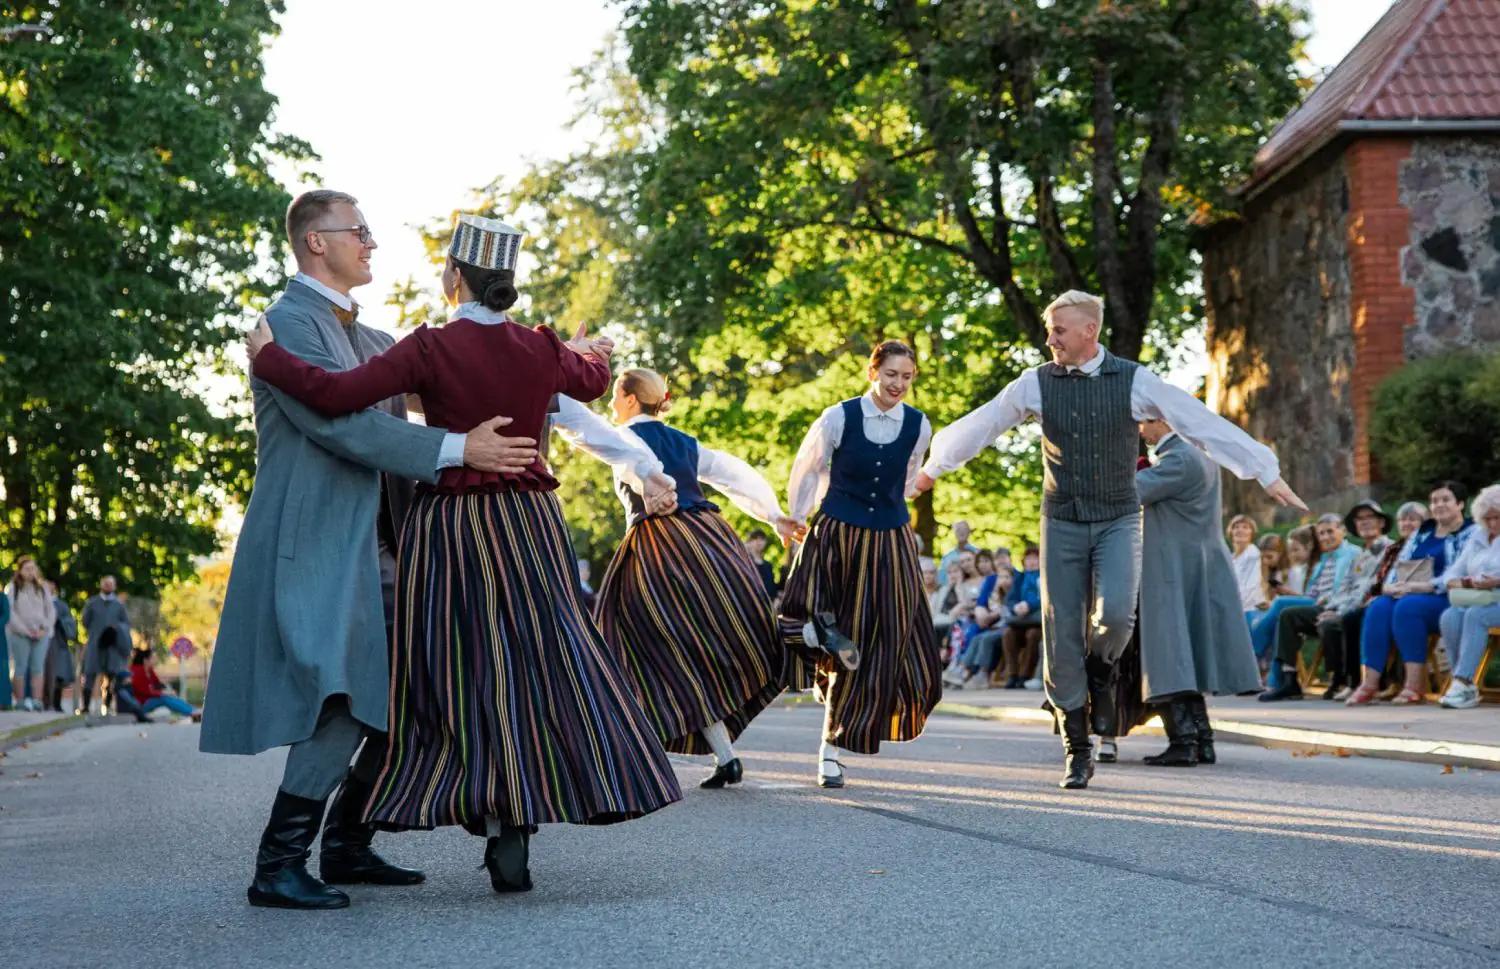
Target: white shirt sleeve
<point x="809" y="480"/>
<point x="627" y="454"/>
<point x="1464" y="567"/>
<point x="918" y="453"/>
<point x="958" y="443"/>
<point x="1228" y="446"/>
<point x="744" y="486"/>
<point x="451" y="454"/>
<point x="1247" y="572"/>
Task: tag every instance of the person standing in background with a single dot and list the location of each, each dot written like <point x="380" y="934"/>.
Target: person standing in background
<point x="60" y="671"/>
<point x="106" y="631"/>
<point x="29" y="630"/>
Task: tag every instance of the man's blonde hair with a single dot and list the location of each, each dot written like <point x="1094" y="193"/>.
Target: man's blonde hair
<point x="1092" y="305"/>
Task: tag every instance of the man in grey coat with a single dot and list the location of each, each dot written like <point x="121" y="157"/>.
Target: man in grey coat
<point x="106" y="630"/>
<point x="1089" y="402"/>
<point x="301" y="658"/>
<point x="1194" y="639"/>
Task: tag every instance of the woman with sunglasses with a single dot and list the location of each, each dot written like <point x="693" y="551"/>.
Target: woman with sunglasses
<point x="507" y="709"/>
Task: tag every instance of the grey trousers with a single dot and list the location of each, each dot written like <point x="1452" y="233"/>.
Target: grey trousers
<point x="317" y="765"/>
<point x="1091" y="574"/>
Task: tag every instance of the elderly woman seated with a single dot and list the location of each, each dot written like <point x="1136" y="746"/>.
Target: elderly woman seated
<point x="1413" y="598"/>
<point x="1473" y="584"/>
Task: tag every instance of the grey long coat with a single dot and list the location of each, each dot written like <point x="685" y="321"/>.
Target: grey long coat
<point x="60" y="664"/>
<point x="99" y="616"/>
<point x="1194" y="638"/>
<point x="302" y="616"/>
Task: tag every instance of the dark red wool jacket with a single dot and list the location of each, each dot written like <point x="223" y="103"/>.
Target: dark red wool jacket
<point x="465" y="373"/>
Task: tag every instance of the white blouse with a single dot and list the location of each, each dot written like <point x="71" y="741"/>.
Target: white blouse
<point x="1480" y="558"/>
<point x="810" y="471"/>
<point x="1247" y="575"/>
<point x="741" y="483"/>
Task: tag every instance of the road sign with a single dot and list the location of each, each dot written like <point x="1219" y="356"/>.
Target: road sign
<point x="182" y="647"/>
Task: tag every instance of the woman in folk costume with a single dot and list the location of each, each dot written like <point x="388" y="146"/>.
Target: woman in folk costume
<point x="856" y="576"/>
<point x="507" y="708"/>
<point x="682" y="602"/>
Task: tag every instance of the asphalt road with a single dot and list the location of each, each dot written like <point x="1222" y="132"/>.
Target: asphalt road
<point x="125" y="847"/>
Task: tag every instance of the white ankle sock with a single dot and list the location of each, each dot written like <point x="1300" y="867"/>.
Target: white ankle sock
<point x="717" y="736"/>
<point x="828" y="756"/>
<point x="493" y="827"/>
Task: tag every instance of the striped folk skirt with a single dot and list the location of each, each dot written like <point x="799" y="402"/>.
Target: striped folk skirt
<point x="870" y="580"/>
<point x="687" y="616"/>
<point x="505" y="701"/>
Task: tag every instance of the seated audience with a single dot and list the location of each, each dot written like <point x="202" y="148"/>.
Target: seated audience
<point x="1473" y="585"/>
<point x="1413" y="599"/>
<point x="1021" y="644"/>
<point x="1327" y="617"/>
<point x="1302" y="544"/>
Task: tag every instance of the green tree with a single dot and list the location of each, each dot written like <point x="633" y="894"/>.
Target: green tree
<point x="1411" y="452"/>
<point x="137" y="213"/>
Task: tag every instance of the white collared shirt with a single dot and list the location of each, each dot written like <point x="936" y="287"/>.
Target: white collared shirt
<point x="1479" y="559"/>
<point x="741" y="483"/>
<point x="341" y="300"/>
<point x="478" y="313"/>
<point x="810" y="471"/>
<point x="1151" y="398"/>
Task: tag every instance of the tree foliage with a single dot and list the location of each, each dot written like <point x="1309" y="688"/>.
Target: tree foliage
<point x="777" y="186"/>
<point x="1438" y="418"/>
<point x="137" y="211"/>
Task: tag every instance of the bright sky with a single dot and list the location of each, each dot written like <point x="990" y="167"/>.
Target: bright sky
<point x="413" y="106"/>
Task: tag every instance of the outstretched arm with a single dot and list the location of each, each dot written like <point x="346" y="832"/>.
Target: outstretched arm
<point x="958" y="443"/>
<point x="334" y="393"/>
<point x="627" y="454"/>
<point x="750" y="492"/>
<point x="1226" y="444"/>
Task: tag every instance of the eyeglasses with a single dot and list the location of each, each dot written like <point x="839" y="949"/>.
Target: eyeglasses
<point x="365" y="235"/>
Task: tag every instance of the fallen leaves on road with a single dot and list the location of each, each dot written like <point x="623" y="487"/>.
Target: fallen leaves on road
<point x="34" y="775"/>
<point x="1447" y="768"/>
<point x="877" y="871"/>
<point x="1307" y="753"/>
<point x="1341" y="752"/>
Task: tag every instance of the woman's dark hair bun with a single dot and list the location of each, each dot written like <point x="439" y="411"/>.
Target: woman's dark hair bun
<point x="500" y="294"/>
<point x="494" y="288"/>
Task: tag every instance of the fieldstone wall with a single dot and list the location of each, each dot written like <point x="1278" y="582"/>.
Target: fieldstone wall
<point x="1451" y="187"/>
<point x="1280" y="339"/>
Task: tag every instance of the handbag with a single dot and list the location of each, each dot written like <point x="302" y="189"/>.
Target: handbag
<point x="1469" y="598"/>
<point x="1414" y="571"/>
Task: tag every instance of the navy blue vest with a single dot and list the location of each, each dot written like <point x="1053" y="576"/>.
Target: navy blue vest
<point x="678" y="454"/>
<point x="867" y="482"/>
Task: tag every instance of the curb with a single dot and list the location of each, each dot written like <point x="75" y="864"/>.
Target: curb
<point x="1443" y="752"/>
<point x="57" y="726"/>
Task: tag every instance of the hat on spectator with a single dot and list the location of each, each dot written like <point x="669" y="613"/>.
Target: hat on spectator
<point x="1371" y="505"/>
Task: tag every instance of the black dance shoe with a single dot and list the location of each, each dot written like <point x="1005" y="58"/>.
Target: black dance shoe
<point x="1108" y="753"/>
<point x="346" y="857"/>
<point x="507" y="858"/>
<point x="828" y="639"/>
<point x="1289" y="689"/>
<point x="729" y="772"/>
<point x="831" y="780"/>
<point x="281" y="876"/>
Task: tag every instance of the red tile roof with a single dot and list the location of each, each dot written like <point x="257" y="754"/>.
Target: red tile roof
<point x="1431" y="61"/>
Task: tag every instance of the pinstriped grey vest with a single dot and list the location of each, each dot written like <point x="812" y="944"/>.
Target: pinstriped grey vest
<point x="1089" y="442"/>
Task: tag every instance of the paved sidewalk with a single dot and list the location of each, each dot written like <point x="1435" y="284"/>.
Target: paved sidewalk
<point x="1427" y="732"/>
<point x="23" y="726"/>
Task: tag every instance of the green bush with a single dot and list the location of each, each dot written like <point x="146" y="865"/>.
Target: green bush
<point x="1438" y="418"/>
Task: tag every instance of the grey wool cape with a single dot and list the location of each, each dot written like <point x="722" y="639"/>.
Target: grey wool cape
<point x="1194" y="638"/>
<point x="99" y="616"/>
<point x="302" y="617"/>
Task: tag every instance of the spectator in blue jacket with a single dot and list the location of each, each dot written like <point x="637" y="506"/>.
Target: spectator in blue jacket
<point x="1413" y="598"/>
<point x="1021" y="644"/>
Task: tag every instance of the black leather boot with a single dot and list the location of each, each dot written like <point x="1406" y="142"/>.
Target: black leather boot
<point x="1079" y="762"/>
<point x="281" y="876"/>
<point x="346" y="857"/>
<point x="1102" y="712"/>
<point x="1182" y="736"/>
<point x="1206" y="754"/>
<point x="507" y="858"/>
<point x="729" y="772"/>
